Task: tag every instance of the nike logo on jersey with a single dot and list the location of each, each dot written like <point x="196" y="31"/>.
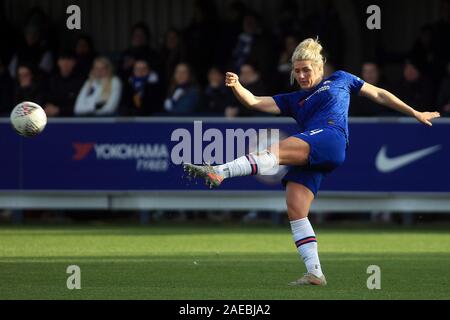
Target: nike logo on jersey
<point x="385" y="164"/>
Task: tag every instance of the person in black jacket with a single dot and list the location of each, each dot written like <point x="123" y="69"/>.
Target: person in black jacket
<point x="142" y="92"/>
<point x="28" y="85"/>
<point x="415" y="88"/>
<point x="85" y="55"/>
<point x="363" y="107"/>
<point x="34" y="50"/>
<point x="140" y="47"/>
<point x="64" y="87"/>
<point x="251" y="79"/>
<point x="216" y="96"/>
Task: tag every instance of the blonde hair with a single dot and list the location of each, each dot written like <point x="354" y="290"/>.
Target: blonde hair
<point x="107" y="81"/>
<point x="308" y="49"/>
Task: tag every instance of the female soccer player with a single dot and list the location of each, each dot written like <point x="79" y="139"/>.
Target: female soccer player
<point x="321" y="111"/>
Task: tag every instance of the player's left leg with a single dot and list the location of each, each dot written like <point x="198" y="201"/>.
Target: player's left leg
<point x="298" y="200"/>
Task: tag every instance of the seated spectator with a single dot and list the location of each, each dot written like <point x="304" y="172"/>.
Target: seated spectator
<point x="38" y="17"/>
<point x="415" y="89"/>
<point x="443" y="100"/>
<point x="253" y="45"/>
<point x="85" y="55"/>
<point x="139" y="48"/>
<point x="64" y="87"/>
<point x="284" y="66"/>
<point x="232" y="15"/>
<point x="172" y="54"/>
<point x="142" y="92"/>
<point x="216" y="96"/>
<point x="33" y="51"/>
<point x="101" y="93"/>
<point x="250" y="78"/>
<point x="423" y="49"/>
<point x="6" y="91"/>
<point x="183" y="97"/>
<point x="287" y="19"/>
<point x="363" y="107"/>
<point x="28" y="86"/>
<point x="201" y="36"/>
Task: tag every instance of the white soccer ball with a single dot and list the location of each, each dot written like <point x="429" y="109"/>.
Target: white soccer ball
<point x="28" y="119"/>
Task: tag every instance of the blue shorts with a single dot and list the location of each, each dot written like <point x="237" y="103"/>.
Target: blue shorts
<point x="327" y="152"/>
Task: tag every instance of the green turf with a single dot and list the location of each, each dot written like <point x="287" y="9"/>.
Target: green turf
<point x="218" y="263"/>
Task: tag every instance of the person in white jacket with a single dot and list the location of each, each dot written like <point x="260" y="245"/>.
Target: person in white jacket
<point x="101" y="93"/>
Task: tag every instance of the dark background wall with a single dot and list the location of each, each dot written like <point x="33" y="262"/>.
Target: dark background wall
<point x="109" y="21"/>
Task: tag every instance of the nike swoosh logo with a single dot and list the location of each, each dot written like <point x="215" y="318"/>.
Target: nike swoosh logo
<point x="385" y="164"/>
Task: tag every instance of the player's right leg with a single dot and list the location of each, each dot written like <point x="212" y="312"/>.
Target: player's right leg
<point x="207" y="172"/>
<point x="291" y="151"/>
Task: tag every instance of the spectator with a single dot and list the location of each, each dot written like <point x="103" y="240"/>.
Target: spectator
<point x="64" y="87"/>
<point x="183" y="97"/>
<point x="284" y="66"/>
<point x="100" y="94"/>
<point x="415" y="89"/>
<point x="6" y="90"/>
<point x="253" y="45"/>
<point x="201" y="36"/>
<point x="142" y="92"/>
<point x="37" y="16"/>
<point x="325" y="22"/>
<point x="288" y="21"/>
<point x="231" y="27"/>
<point x="362" y="107"/>
<point x="28" y="87"/>
<point x="85" y="55"/>
<point x="33" y="51"/>
<point x="172" y="54"/>
<point x="250" y="78"/>
<point x="139" y="49"/>
<point x="423" y="50"/>
<point x="443" y="100"/>
<point x="216" y="96"/>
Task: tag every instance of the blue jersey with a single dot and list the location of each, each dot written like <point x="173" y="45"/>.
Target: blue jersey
<point x="322" y="115"/>
<point x="324" y="105"/>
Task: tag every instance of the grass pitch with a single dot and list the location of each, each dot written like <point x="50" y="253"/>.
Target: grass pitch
<point x="230" y="262"/>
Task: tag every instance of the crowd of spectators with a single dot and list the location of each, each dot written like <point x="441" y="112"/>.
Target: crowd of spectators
<point x="185" y="74"/>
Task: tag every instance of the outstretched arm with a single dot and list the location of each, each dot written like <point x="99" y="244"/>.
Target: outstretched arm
<point x="387" y="99"/>
<point x="263" y="104"/>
